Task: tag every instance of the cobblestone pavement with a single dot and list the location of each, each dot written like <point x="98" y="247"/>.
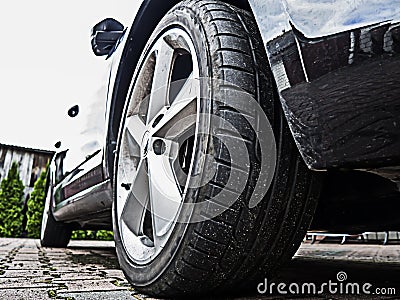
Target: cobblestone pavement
<point x="89" y="270"/>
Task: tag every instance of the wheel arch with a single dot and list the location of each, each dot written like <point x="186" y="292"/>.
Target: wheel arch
<point x="149" y="15"/>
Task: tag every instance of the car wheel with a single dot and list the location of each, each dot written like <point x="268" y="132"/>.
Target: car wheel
<point x="169" y="239"/>
<point x="53" y="234"/>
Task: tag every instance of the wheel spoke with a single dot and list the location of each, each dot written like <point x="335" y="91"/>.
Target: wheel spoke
<point x="188" y="92"/>
<point x="136" y="201"/>
<point x="136" y="128"/>
<point x="182" y="113"/>
<point x="165" y="195"/>
<point x="159" y="90"/>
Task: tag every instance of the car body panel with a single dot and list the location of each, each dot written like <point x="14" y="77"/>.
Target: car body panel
<point x="318" y="19"/>
<point x="336" y="66"/>
<point x="78" y="167"/>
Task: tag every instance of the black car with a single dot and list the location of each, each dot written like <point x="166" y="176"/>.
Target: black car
<point x="229" y="128"/>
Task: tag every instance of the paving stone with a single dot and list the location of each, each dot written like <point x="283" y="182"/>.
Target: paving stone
<point x="18" y="266"/>
<point x="26" y="258"/>
<point x="60" y="264"/>
<point x="57" y="260"/>
<point x="115" y="295"/>
<point x="91" y="285"/>
<point x="23" y="294"/>
<point x="55" y="255"/>
<point x="113" y="273"/>
<point x="23" y="273"/>
<point x="74" y="277"/>
<point x="32" y="253"/>
<point x="93" y="244"/>
<point x="77" y="269"/>
<point x="36" y="282"/>
<point x="25" y="264"/>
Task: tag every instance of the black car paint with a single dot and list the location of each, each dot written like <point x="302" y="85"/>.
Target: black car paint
<point x="319" y="91"/>
<point x="339" y="84"/>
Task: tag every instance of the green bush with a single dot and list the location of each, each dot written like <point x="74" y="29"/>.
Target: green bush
<point x="11" y="198"/>
<point x="36" y="206"/>
<point x="104" y="235"/>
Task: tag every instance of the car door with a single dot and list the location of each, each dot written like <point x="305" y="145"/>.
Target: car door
<point x="78" y="164"/>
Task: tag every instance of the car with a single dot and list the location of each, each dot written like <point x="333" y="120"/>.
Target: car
<point x="228" y="127"/>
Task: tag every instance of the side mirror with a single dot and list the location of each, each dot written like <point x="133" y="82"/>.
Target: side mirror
<point x="105" y="35"/>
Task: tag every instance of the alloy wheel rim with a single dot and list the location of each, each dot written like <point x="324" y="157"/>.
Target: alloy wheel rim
<point x="156" y="146"/>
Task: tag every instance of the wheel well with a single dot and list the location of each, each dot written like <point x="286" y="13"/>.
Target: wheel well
<point x="149" y="15"/>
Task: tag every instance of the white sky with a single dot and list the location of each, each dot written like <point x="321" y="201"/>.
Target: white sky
<point x="46" y="64"/>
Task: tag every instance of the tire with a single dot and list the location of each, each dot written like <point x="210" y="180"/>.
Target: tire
<point x="53" y="234"/>
<point x="243" y="244"/>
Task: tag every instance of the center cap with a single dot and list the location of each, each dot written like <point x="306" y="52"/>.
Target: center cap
<point x="145" y="143"/>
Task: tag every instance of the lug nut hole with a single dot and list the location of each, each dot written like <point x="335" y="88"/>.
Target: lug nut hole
<point x="159" y="147"/>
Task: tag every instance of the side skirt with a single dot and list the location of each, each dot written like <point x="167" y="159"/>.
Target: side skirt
<point x="85" y="206"/>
